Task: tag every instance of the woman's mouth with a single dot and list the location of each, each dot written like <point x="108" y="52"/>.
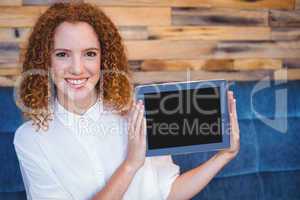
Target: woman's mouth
<point x="76" y="83"/>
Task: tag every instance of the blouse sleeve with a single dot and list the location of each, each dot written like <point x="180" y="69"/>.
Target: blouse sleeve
<point x="167" y="171"/>
<point x="39" y="180"/>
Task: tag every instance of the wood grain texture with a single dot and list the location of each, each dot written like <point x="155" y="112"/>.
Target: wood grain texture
<point x="212" y="65"/>
<point x="14" y="34"/>
<point x="179" y="65"/>
<point x="9" y="54"/>
<point x="285" y="33"/>
<point x="287" y="74"/>
<point x="209" y="33"/>
<point x="139" y="16"/>
<point x="164" y="49"/>
<point x="7" y="81"/>
<point x="26" y="16"/>
<point x="280" y="18"/>
<point x="21" y="35"/>
<point x="291" y="63"/>
<point x="10" y="2"/>
<point x="257" y="49"/>
<point x="134" y="32"/>
<point x="10" y="71"/>
<point x="217" y="16"/>
<point x="164" y="76"/>
<point x="18" y="16"/>
<point x="239" y="4"/>
<point x="37" y="2"/>
<point x="257" y="64"/>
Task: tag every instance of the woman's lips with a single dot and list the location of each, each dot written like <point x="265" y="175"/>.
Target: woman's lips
<point x="76" y="83"/>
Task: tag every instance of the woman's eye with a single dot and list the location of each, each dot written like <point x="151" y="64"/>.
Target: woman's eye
<point x="61" y="54"/>
<point x="91" y="54"/>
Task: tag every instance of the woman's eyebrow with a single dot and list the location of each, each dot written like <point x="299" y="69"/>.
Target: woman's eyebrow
<point x="88" y="49"/>
<point x="61" y="49"/>
<point x="92" y="48"/>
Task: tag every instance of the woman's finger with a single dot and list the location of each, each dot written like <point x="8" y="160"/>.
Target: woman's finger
<point x="130" y="114"/>
<point x="133" y="120"/>
<point x="230" y="99"/>
<point x="143" y="132"/>
<point x="233" y="116"/>
<point x="230" y="102"/>
<point x="145" y="128"/>
<point x="236" y="124"/>
<point x="234" y="129"/>
<point x="139" y="121"/>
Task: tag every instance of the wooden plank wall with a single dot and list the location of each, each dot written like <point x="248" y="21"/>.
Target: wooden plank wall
<point x="172" y="40"/>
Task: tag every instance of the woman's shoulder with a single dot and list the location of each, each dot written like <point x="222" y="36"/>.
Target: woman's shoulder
<point x="25" y="134"/>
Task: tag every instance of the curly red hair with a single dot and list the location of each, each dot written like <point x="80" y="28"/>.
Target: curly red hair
<point x="35" y="90"/>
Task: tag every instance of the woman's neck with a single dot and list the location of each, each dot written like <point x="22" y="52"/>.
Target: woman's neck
<point x="77" y="106"/>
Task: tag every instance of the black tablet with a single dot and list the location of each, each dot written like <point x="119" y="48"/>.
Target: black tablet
<point x="185" y="117"/>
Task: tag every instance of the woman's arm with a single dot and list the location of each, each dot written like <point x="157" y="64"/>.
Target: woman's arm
<point x="118" y="183"/>
<point x="192" y="182"/>
<point x="122" y="177"/>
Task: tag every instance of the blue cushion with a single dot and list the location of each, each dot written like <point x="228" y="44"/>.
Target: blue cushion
<point x="13" y="195"/>
<point x="10" y="117"/>
<point x="260" y="98"/>
<point x="258" y="186"/>
<point x="10" y="174"/>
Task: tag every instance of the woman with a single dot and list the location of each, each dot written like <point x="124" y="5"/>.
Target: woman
<point x="76" y="85"/>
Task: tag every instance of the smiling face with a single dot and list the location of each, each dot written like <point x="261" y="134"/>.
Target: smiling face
<point x="75" y="62"/>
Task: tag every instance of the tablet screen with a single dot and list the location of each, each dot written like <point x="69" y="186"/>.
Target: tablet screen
<point x="183" y="117"/>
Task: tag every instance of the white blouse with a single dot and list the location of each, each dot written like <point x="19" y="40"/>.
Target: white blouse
<point x="78" y="154"/>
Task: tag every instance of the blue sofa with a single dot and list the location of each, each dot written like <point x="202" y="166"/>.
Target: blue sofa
<point x="267" y="167"/>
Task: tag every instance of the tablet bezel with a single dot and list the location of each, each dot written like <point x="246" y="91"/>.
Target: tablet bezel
<point x="140" y="90"/>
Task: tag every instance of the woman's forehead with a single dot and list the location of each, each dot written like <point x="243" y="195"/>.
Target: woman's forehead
<point x="75" y="35"/>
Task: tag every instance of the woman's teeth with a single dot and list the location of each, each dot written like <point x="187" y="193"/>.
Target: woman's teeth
<point x="76" y="82"/>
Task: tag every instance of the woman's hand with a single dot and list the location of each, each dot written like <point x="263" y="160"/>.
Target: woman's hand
<point x="234" y="130"/>
<point x="136" y="149"/>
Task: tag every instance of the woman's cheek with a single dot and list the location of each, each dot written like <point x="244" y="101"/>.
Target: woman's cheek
<point x="93" y="66"/>
<point x="58" y="74"/>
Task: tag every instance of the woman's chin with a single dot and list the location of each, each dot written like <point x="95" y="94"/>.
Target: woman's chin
<point x="79" y="95"/>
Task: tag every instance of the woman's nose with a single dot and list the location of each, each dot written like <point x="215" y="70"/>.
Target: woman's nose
<point x="77" y="65"/>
